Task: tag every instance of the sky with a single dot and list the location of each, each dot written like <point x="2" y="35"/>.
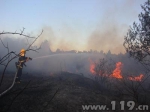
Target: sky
<point x="72" y="24"/>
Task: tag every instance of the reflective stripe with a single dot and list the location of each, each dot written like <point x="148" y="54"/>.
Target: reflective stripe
<point x="21" y="61"/>
<point x="19" y="66"/>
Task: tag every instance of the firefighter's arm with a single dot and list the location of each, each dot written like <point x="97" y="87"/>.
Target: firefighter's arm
<point x="28" y="58"/>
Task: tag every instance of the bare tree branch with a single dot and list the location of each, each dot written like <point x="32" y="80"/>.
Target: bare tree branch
<point x="34" y="40"/>
<point x="21" y="33"/>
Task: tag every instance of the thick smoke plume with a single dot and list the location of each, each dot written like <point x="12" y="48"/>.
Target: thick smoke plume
<point x="109" y="33"/>
<point x="65" y="39"/>
<point x="107" y="38"/>
<point x="106" y="34"/>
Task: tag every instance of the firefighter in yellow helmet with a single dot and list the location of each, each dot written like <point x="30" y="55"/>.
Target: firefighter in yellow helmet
<point x="21" y="62"/>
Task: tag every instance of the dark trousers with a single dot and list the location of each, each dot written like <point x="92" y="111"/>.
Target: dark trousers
<point x="19" y="73"/>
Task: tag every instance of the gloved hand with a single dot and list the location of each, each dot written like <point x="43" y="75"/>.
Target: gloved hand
<point x="30" y="58"/>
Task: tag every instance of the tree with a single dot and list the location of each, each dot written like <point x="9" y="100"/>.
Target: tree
<point x="100" y="70"/>
<point x="137" y="40"/>
<point x="137" y="44"/>
<point x="103" y="69"/>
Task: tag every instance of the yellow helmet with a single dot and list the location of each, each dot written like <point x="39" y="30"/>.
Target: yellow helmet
<point x="22" y="52"/>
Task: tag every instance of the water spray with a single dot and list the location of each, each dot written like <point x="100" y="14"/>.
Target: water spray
<point x="53" y="55"/>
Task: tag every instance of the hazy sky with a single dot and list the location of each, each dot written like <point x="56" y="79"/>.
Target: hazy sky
<point x="73" y="24"/>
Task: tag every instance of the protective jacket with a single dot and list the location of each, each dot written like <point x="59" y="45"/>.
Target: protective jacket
<point x="19" y="66"/>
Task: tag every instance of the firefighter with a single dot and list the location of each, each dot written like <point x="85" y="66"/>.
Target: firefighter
<point x="21" y="62"/>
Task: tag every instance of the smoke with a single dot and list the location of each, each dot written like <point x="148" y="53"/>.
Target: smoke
<point x="112" y="27"/>
<point x="50" y="62"/>
<point x="47" y="35"/>
<point x="66" y="38"/>
<point x="107" y="38"/>
<point x="107" y="32"/>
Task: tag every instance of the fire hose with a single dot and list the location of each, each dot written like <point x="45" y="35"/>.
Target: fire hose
<point x="4" y="92"/>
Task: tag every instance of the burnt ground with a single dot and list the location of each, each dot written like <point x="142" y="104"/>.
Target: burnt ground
<point x="64" y="92"/>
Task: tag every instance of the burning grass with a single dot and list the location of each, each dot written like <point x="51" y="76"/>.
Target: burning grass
<point x="116" y="73"/>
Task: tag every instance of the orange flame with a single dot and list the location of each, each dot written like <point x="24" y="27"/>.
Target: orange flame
<point x="117" y="71"/>
<point x="137" y="78"/>
<point x="92" y="67"/>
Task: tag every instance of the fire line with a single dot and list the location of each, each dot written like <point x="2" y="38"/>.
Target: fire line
<point x="116" y="72"/>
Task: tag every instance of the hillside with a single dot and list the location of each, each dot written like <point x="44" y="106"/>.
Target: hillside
<point x="63" y="92"/>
